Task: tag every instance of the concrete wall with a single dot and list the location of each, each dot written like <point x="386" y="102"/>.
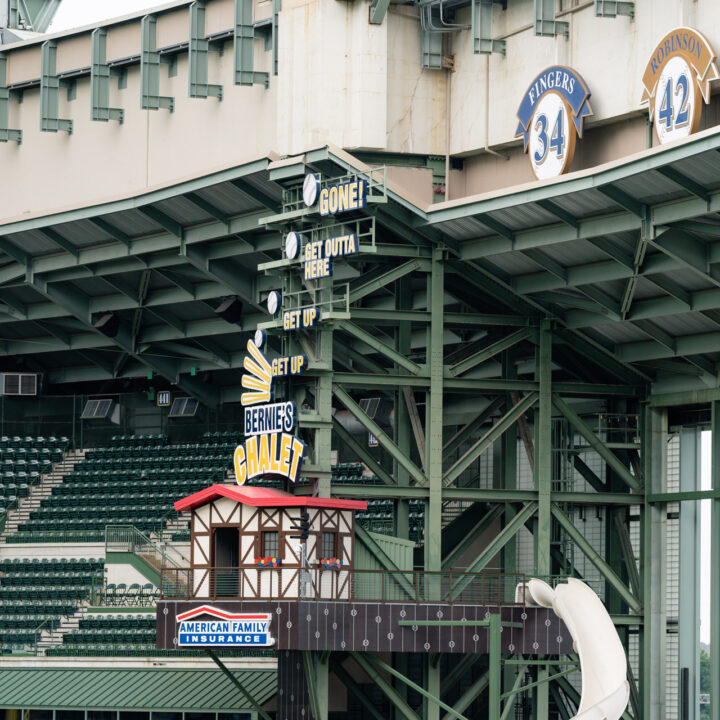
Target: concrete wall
<point x="341" y="80"/>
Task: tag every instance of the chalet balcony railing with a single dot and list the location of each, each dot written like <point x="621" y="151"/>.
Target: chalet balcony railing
<point x="342" y="585"/>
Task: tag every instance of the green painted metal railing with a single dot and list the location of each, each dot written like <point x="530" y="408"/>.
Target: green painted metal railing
<point x="127" y="538"/>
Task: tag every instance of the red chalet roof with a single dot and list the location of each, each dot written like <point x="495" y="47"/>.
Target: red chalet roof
<point x="264" y="497"/>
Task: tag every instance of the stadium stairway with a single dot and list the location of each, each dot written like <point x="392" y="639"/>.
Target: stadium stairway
<point x="40" y="492"/>
<point x="54" y="637"/>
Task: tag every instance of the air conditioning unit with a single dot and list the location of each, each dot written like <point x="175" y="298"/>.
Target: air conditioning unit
<point x="102" y="409"/>
<point x="19" y="383"/>
<point x="186" y="408"/>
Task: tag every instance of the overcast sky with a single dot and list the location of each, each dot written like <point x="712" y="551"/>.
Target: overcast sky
<point x="75" y="13"/>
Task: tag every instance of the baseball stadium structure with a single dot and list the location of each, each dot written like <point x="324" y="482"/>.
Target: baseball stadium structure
<point x="493" y="377"/>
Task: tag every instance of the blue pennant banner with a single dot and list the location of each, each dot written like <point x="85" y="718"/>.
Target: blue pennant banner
<point x="566" y="83"/>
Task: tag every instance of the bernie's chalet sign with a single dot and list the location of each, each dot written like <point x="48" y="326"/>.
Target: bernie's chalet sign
<point x="552" y="113"/>
<point x="207" y="626"/>
<point x="270" y="448"/>
<point x="676" y="82"/>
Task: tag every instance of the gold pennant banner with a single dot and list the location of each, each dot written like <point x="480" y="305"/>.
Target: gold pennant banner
<point x="690" y="45"/>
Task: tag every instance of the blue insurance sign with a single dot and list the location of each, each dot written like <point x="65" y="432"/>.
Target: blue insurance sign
<point x="207" y="626"/>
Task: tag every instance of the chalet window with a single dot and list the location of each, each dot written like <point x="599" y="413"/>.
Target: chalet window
<point x="270" y="544"/>
<point x="329" y="545"/>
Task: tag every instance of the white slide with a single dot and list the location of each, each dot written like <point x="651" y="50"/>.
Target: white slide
<point x="605" y="689"/>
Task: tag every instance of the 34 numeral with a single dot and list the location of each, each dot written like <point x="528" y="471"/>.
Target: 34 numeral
<point x="557" y="138"/>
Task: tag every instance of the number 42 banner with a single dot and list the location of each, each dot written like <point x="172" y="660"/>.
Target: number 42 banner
<point x="552" y="113"/>
<point x="676" y="78"/>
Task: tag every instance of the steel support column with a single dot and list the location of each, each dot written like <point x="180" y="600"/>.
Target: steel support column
<point x="689" y="567"/>
<point x="652" y="674"/>
<point x="715" y="569"/>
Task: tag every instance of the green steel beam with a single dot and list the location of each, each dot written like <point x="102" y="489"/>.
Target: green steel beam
<point x="455" y="675"/>
<point x="687" y="249"/>
<point x="150" y="98"/>
<point x="432" y="698"/>
<point x="357" y="691"/>
<point x="486" y="441"/>
<point x="628" y="555"/>
<point x="434" y="417"/>
<point x="378" y="9"/>
<point x="470" y="695"/>
<point x="487" y="495"/>
<point x="472" y="426"/>
<point x="624" y="200"/>
<point x="543" y="452"/>
<point x="378" y="679"/>
<point x="490" y="351"/>
<point x="484" y="524"/>
<point x="198" y="51"/>
<point x="100" y="72"/>
<point x="111" y="230"/>
<point x="671" y="497"/>
<point x="379" y="346"/>
<point x="50" y="91"/>
<point x="244" y="47"/>
<point x="685" y="182"/>
<point x="238" y="685"/>
<point x="715" y="567"/>
<point x="600" y="448"/>
<point x="486" y="282"/>
<point x="362" y="453"/>
<point x="162" y="219"/>
<point x="309" y="670"/>
<point x="612" y="8"/>
<point x="537" y="683"/>
<point x="367" y="287"/>
<point x="510" y="704"/>
<point x="653" y="551"/>
<point x="547" y="26"/>
<point x="77" y="305"/>
<point x="592" y="479"/>
<point x="60" y="241"/>
<point x="207" y="207"/>
<point x="494" y="547"/>
<point x="6" y="134"/>
<point x="608" y="573"/>
<point x="482" y="29"/>
<point x="382" y="437"/>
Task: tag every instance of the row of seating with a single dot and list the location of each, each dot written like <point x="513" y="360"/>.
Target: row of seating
<point x="139" y="440"/>
<point x="20" y="565"/>
<point x="152" y="477"/>
<point x="23" y="453"/>
<point x="121" y="452"/>
<point x="166" y="462"/>
<point x="36" y="593"/>
<point x="106" y="623"/>
<point x="39" y="442"/>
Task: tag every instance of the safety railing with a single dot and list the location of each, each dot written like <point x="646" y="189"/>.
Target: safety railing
<point x="338" y="584"/>
<point x="127" y="538"/>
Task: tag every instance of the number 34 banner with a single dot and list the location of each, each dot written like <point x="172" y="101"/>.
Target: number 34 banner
<point x="552" y="113"/>
<point x="679" y="72"/>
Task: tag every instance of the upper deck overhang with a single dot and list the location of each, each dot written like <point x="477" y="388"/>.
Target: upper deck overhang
<point x="623" y="258"/>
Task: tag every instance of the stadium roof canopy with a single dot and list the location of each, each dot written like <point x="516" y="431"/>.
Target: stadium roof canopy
<point x="132" y="689"/>
<point x="624" y="257"/>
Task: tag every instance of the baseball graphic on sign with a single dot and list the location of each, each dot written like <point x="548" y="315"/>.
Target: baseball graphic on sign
<point x="552" y="115"/>
<point x="677" y="82"/>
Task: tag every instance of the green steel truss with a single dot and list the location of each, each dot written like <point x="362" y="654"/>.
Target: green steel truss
<point x="476" y="360"/>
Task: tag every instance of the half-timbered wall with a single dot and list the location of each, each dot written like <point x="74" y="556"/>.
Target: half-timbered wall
<point x="282" y="582"/>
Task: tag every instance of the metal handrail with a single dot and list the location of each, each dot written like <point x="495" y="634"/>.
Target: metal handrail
<point x="342" y="585"/>
<point x="136" y="542"/>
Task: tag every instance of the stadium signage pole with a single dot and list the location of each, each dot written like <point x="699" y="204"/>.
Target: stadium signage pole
<point x="715" y="569"/>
